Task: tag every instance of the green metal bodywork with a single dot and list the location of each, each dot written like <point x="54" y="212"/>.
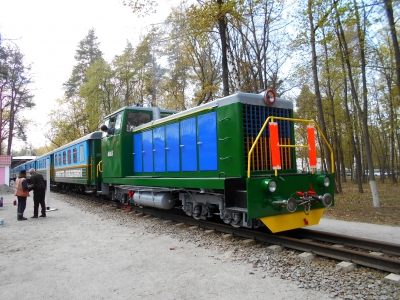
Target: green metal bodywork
<point x="117" y="151"/>
<point x="230" y="140"/>
<point x="259" y="201"/>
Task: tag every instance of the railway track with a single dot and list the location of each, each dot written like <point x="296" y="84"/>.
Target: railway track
<point x="364" y="252"/>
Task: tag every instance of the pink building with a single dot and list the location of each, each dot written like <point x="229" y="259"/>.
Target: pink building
<point x="5" y="163"/>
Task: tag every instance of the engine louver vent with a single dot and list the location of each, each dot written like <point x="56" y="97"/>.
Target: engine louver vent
<point x="253" y="119"/>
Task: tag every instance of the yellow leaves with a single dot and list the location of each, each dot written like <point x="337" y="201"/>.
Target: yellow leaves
<point x="142" y="8"/>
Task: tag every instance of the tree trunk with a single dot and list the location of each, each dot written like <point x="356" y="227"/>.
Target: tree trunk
<point x="393" y="33"/>
<point x="222" y="33"/>
<point x="364" y="111"/>
<point x="344" y="59"/>
<point x="13" y="105"/>
<point x="338" y="185"/>
<point x="316" y="82"/>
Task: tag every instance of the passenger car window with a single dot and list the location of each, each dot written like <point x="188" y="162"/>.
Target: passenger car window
<point x="69" y="156"/>
<point x="75" y="156"/>
<point x="81" y="154"/>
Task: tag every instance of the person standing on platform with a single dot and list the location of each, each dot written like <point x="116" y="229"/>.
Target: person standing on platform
<point x="39" y="191"/>
<point x="21" y="191"/>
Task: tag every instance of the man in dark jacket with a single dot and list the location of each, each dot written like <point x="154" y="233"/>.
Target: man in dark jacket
<point x="39" y="188"/>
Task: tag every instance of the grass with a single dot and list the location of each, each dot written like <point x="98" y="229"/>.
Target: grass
<point x="353" y="206"/>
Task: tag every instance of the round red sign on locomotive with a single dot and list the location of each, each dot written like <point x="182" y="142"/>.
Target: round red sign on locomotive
<point x="268" y="99"/>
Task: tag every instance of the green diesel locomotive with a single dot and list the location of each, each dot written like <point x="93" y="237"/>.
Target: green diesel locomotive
<point x="235" y="157"/>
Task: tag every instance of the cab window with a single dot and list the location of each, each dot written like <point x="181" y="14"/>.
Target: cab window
<point x="136" y="118"/>
<point x="113" y="124"/>
<point x="118" y="121"/>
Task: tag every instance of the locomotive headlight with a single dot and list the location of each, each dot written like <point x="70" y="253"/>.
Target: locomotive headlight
<point x="272" y="186"/>
<point x="269" y="185"/>
<point x="323" y="181"/>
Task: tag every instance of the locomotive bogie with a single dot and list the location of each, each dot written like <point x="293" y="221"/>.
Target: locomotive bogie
<point x="201" y="205"/>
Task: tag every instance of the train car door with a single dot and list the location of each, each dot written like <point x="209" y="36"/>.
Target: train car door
<point x="111" y="147"/>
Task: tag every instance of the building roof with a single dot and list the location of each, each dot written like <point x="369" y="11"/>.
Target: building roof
<point x="5" y="160"/>
<point x="24" y="157"/>
<point x="17" y="160"/>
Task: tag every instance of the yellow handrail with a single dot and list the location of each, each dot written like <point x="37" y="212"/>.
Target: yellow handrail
<point x="285" y="119"/>
<point x="98" y="168"/>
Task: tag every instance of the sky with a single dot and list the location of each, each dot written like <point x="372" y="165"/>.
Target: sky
<point x="48" y="33"/>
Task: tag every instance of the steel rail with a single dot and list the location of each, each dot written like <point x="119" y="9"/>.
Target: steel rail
<point x="292" y="241"/>
<point x="357" y="257"/>
<point x="373" y="245"/>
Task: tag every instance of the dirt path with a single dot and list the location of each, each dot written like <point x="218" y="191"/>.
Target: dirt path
<point x="76" y="255"/>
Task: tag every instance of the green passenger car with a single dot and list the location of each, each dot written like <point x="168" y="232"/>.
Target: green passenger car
<point x="215" y="158"/>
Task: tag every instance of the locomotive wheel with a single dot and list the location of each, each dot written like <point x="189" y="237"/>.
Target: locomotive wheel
<point x="257" y="223"/>
<point x="236" y="225"/>
<point x="197" y="212"/>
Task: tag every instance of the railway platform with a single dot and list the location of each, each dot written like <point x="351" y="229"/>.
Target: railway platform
<point x="390" y="234"/>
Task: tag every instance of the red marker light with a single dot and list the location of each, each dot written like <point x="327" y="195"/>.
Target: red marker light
<point x="270" y="100"/>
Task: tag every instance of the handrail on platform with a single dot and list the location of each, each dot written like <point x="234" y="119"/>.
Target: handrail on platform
<point x="271" y="118"/>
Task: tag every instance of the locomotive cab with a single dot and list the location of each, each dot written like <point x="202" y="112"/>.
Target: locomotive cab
<point x="117" y="146"/>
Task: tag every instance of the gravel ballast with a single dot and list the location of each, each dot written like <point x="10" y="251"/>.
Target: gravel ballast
<point x="88" y="251"/>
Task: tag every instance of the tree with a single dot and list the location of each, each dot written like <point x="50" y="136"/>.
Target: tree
<point x="99" y="92"/>
<point x="176" y="80"/>
<point x="208" y="13"/>
<point x="314" y="26"/>
<point x="306" y="105"/>
<point x="63" y="123"/>
<point x="363" y="111"/>
<point x="192" y="59"/>
<point x="149" y="71"/>
<point x="126" y="75"/>
<point x="257" y="46"/>
<point x="393" y="34"/>
<point x="75" y="114"/>
<point x="88" y="51"/>
<point x="15" y="94"/>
